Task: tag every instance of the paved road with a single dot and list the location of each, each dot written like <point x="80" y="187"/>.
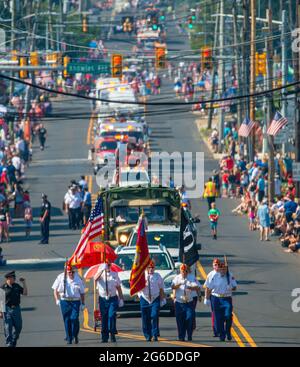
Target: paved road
<point x="265" y="274"/>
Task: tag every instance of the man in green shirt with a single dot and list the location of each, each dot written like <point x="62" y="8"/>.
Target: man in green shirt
<point x="213" y="215"/>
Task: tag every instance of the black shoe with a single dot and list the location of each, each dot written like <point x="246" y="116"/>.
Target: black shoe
<point x="148" y="339"/>
<point x="104" y="341"/>
<point x="181" y="339"/>
<point x="76" y="341"/>
<point x="229" y="337"/>
<point x="69" y="342"/>
<point x="155" y="339"/>
<point x="216" y="335"/>
<point x="222" y="339"/>
<point x="116" y="332"/>
<point x="113" y="338"/>
<point x="190" y="339"/>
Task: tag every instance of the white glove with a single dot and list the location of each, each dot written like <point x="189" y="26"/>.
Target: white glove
<point x="207" y="302"/>
<point x="163" y="302"/>
<point x="58" y="302"/>
<point x="121" y="302"/>
<point x="82" y="307"/>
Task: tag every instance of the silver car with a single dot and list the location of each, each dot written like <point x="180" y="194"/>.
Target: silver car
<point x="164" y="265"/>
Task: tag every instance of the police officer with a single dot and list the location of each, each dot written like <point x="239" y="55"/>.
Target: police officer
<point x="210" y="192"/>
<point x="184" y="307"/>
<point x="108" y="285"/>
<point x="218" y="292"/>
<point x="69" y="295"/>
<point x="12" y="315"/>
<point x="45" y="220"/>
<point x="152" y="297"/>
<point x="210" y="275"/>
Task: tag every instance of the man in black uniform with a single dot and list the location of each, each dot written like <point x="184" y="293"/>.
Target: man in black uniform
<point x="12" y="315"/>
<point x="45" y="220"/>
<point x="42" y="132"/>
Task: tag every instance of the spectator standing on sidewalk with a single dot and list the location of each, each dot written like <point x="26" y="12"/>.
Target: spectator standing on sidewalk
<point x="27" y="218"/>
<point x="264" y="220"/>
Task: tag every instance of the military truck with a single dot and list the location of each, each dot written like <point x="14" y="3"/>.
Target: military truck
<point x="124" y="205"/>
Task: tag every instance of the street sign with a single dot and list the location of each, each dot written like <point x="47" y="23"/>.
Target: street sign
<point x="296" y="171"/>
<point x="89" y="67"/>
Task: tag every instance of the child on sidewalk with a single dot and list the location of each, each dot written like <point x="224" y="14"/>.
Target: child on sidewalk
<point x="27" y="218"/>
<point x="252" y="216"/>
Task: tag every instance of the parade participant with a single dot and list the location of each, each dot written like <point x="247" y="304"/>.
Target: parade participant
<point x="42" y="133"/>
<point x="108" y="285"/>
<point x="184" y="309"/>
<point x="12" y="315"/>
<point x="45" y="220"/>
<point x="196" y="295"/>
<point x="74" y="202"/>
<point x="152" y="297"/>
<point x="210" y="192"/>
<point x="69" y="295"/>
<point x="213" y="215"/>
<point x="210" y="275"/>
<point x="87" y="205"/>
<point x="218" y="293"/>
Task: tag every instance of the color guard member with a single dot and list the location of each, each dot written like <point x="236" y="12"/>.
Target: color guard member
<point x="69" y="295"/>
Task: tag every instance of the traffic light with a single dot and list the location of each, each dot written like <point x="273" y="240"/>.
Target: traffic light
<point x="206" y="58"/>
<point x="66" y="61"/>
<point x="190" y="23"/>
<point x="34" y="58"/>
<point x="160" y="57"/>
<point x="84" y="24"/>
<point x="261" y="64"/>
<point x="14" y="55"/>
<point x="116" y="65"/>
<point x="193" y="16"/>
<point x="154" y="27"/>
<point x="23" y="74"/>
<point x="162" y="16"/>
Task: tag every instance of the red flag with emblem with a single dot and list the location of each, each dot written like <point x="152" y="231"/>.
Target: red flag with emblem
<point x="141" y="261"/>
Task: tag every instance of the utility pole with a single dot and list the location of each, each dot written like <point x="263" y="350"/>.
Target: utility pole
<point x="221" y="75"/>
<point x="297" y="122"/>
<point x="246" y="63"/>
<point x="284" y="69"/>
<point x="252" y="75"/>
<point x="269" y="50"/>
<point x="214" y="68"/>
<point x="237" y="60"/>
<point x="12" y="41"/>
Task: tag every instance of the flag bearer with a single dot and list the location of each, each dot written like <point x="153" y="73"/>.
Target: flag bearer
<point x="184" y="306"/>
<point x="110" y="299"/>
<point x="152" y="297"/>
<point x="219" y="292"/>
<point x="69" y="295"/>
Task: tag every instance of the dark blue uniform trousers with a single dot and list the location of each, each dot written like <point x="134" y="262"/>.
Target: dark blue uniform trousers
<point x="70" y="313"/>
<point x="150" y="315"/>
<point x="12" y="325"/>
<point x="222" y="308"/>
<point x="184" y="313"/>
<point x="108" y="309"/>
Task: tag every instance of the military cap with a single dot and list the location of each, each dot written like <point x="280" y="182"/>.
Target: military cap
<point x="10" y="274"/>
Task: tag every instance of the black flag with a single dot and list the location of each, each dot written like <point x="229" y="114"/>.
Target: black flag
<point x="188" y="253"/>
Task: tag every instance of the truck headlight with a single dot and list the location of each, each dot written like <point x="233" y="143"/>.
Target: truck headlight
<point x="123" y="238"/>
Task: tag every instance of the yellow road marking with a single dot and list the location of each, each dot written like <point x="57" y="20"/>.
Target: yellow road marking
<point x="235" y="319"/>
<point x="90" y="128"/>
<point x="237" y="338"/>
<point x="243" y="331"/>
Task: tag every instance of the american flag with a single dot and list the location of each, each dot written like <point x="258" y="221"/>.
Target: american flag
<point x="276" y="124"/>
<point x="246" y="127"/>
<point x="93" y="228"/>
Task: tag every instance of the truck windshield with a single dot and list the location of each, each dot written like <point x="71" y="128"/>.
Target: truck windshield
<point x="161" y="261"/>
<point x="126" y="214"/>
<point x="168" y="239"/>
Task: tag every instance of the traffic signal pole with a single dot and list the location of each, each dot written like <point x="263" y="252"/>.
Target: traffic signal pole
<point x="221" y="84"/>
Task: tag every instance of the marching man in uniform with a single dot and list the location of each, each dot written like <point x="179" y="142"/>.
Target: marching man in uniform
<point x="12" y="311"/>
<point x="69" y="295"/>
<point x="108" y="285"/>
<point x="152" y="297"/>
<point x="210" y="275"/>
<point x="184" y="306"/>
<point x="218" y="293"/>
